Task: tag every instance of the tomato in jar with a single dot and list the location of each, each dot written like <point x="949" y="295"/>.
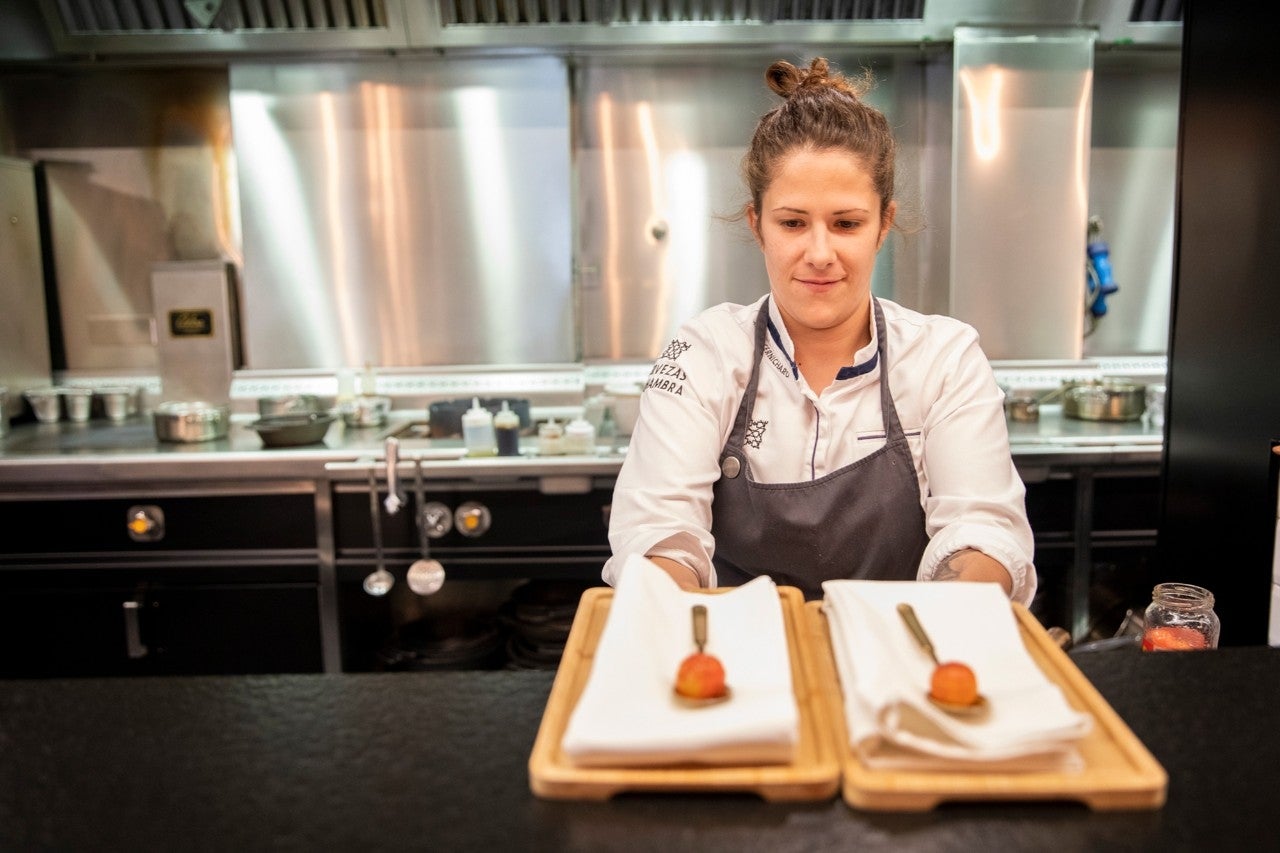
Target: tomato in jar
<point x="1173" y="638"/>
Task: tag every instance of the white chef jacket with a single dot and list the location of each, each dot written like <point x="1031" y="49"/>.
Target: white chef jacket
<point x="950" y="406"/>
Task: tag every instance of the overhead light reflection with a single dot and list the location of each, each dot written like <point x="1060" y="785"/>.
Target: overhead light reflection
<point x="1083" y="111"/>
<point x="612" y="287"/>
<point x="490" y="209"/>
<point x="686" y="259"/>
<point x="386" y="202"/>
<point x="331" y="178"/>
<point x="982" y="90"/>
<point x="273" y="174"/>
<point x="657" y="219"/>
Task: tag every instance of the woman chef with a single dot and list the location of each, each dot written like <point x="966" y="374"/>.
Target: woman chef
<point x="821" y="432"/>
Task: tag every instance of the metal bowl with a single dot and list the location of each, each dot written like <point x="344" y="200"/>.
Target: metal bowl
<point x="191" y="422"/>
<point x="292" y="430"/>
<point x="366" y="411"/>
<point x="288" y="404"/>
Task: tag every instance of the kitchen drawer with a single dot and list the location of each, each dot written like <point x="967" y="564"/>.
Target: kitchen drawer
<point x="109" y="622"/>
<point x="190" y="522"/>
<point x="517" y="520"/>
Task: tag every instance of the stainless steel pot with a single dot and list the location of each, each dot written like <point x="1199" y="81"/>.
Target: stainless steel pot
<point x="1022" y="407"/>
<point x="191" y="422"/>
<point x="1105" y="399"/>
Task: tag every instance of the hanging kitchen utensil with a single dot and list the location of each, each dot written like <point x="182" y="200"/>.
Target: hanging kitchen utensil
<point x="379" y="582"/>
<point x="426" y="575"/>
<point x="394" y="501"/>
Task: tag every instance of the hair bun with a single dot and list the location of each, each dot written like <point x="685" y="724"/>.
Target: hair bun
<point x="783" y="78"/>
<point x="786" y="80"/>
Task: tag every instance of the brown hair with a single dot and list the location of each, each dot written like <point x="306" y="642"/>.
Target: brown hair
<point x="823" y="110"/>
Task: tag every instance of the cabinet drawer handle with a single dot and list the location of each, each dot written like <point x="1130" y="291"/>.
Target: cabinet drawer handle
<point x="132" y="631"/>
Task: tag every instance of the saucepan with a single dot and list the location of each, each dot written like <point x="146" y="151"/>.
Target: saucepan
<point x="191" y="421"/>
<point x="1105" y="399"/>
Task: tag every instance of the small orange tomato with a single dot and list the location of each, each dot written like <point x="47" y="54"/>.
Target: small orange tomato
<point x="954" y="683"/>
<point x="701" y="676"/>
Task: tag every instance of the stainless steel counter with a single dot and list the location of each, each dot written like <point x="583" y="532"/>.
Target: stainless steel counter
<point x="98" y="450"/>
<point x="34" y="454"/>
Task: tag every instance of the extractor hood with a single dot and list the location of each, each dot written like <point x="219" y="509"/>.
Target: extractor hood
<point x="214" y="27"/>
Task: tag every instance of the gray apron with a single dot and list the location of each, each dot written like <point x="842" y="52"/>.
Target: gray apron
<point x="861" y="521"/>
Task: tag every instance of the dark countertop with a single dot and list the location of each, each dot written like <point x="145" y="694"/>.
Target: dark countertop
<point x="439" y="761"/>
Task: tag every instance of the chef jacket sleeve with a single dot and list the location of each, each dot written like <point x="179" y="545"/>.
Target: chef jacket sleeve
<point x="975" y="499"/>
<point x="662" y="497"/>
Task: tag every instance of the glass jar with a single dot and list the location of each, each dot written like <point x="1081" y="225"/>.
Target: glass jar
<point x="1180" y="618"/>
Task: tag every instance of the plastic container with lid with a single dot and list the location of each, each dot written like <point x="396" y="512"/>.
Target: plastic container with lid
<point x="551" y="438"/>
<point x="477" y="430"/>
<point x="580" y="437"/>
<point x="506" y="426"/>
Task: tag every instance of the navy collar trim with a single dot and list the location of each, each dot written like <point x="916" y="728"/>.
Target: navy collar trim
<point x="777" y="342"/>
<point x="859" y="369"/>
<point x="848" y="372"/>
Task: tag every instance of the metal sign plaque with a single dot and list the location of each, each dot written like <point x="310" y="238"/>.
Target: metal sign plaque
<point x="191" y="323"/>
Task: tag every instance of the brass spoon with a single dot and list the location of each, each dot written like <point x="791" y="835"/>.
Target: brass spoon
<point x="978" y="706"/>
<point x="700" y="640"/>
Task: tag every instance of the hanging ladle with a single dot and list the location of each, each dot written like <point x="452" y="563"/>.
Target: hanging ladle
<point x="978" y="706"/>
<point x="426" y="575"/>
<point x="380" y="581"/>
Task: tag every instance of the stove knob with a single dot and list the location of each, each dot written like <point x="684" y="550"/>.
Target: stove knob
<point x="145" y="523"/>
<point x="437" y="519"/>
<point x="472" y="519"/>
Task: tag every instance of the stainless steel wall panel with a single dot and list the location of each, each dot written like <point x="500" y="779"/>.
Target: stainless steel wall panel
<point x="405" y="213"/>
<point x="1019" y="195"/>
<point x="658" y="168"/>
<point x="1132" y="185"/>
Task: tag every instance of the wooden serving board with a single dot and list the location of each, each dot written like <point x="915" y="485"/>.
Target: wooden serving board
<point x="1119" y="772"/>
<point x="813" y="774"/>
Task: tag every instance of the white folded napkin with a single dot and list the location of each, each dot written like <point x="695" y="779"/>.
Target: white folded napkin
<point x="628" y="716"/>
<point x="884" y="677"/>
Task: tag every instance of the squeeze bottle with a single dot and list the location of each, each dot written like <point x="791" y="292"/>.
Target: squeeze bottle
<point x="506" y="425"/>
<point x="477" y="430"/>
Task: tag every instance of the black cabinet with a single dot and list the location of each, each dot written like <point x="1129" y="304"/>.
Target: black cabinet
<point x="160" y="582"/>
<point x="1095" y="536"/>
<point x="493" y="538"/>
<point x="157" y="622"/>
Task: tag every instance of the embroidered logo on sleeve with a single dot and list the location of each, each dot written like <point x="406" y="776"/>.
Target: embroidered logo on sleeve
<point x="666" y="376"/>
<point x="675" y="349"/>
<point x="755" y="433"/>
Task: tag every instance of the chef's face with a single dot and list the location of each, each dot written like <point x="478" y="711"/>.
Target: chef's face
<point x="819" y="226"/>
